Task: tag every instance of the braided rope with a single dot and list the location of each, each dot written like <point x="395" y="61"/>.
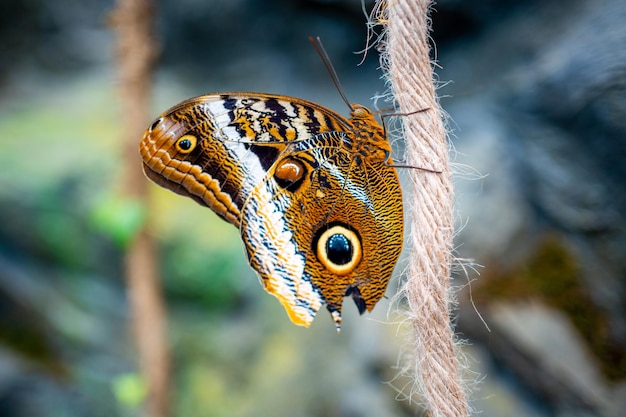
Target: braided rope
<point x="434" y="364"/>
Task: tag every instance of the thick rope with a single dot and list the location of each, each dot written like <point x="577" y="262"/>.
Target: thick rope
<point x="434" y="363"/>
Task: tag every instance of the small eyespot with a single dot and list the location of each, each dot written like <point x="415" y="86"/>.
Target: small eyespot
<point x="289" y="172"/>
<point x="339" y="249"/>
<point x="186" y="144"/>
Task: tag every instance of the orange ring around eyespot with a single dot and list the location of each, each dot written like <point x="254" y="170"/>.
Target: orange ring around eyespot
<point x="193" y="141"/>
<point x="357" y="252"/>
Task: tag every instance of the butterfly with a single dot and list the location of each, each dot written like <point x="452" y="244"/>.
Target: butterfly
<point x="315" y="195"/>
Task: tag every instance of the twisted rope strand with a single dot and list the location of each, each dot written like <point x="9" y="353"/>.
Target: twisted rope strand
<point x="435" y="365"/>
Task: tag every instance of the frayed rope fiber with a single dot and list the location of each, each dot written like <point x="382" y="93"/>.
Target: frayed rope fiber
<point x="434" y="363"/>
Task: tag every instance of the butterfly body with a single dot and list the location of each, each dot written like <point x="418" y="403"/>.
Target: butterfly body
<point x="314" y="195"/>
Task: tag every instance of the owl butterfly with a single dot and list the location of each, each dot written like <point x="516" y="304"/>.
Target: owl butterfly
<point x="314" y="194"/>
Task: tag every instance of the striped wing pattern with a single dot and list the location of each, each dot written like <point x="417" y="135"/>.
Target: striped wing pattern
<point x="238" y="145"/>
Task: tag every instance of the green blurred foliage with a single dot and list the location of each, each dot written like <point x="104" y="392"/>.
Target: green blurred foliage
<point x="119" y="218"/>
<point x="130" y="390"/>
<point x="208" y="278"/>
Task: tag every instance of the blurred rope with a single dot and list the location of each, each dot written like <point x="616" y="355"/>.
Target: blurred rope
<point x="136" y="52"/>
<point x="434" y="364"/>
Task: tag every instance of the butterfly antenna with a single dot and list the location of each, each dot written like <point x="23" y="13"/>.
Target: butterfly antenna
<point x="319" y="48"/>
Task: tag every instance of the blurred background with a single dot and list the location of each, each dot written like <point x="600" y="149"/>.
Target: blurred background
<point x="537" y="97"/>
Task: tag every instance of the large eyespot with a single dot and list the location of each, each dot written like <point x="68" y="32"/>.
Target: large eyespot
<point x="339" y="249"/>
<point x="186" y="144"/>
<point x="289" y="173"/>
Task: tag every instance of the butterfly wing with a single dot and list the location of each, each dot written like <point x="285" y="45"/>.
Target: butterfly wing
<point x="216" y="148"/>
<point x="336" y="231"/>
<point x="331" y="228"/>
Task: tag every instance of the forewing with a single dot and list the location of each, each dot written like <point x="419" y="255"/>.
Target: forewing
<point x="238" y="135"/>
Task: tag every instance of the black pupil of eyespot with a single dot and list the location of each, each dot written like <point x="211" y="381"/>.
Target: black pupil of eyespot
<point x="339" y="249"/>
<point x="185" y="144"/>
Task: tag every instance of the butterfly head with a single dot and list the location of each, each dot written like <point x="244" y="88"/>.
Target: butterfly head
<point x="360" y="112"/>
